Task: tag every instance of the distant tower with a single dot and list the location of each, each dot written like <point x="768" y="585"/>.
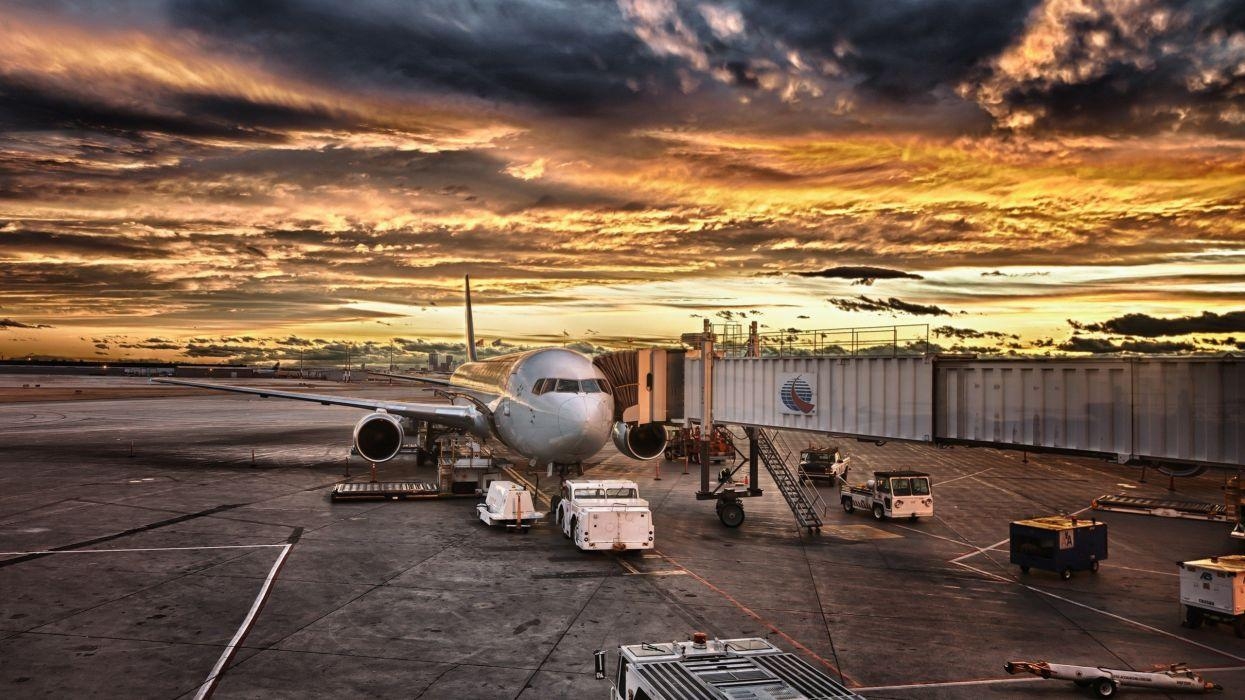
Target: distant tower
<point x="449" y="363"/>
<point x="434" y="361"/>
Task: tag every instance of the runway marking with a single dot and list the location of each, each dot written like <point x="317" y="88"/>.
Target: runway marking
<point x="750" y="613"/>
<point x="1145" y="571"/>
<point x="209" y="684"/>
<point x="1112" y="615"/>
<point x="979" y="550"/>
<point x="966" y="476"/>
<point x="138" y="549"/>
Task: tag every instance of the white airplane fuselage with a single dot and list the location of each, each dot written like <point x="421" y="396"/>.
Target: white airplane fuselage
<point x="550" y="405"/>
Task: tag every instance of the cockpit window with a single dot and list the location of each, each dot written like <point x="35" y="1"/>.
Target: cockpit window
<point x="541" y="386"/>
<point x="589" y="386"/>
<point x="568" y="386"/>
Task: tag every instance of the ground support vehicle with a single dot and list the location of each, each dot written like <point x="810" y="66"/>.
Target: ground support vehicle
<point x="508" y="504"/>
<point x="684" y="443"/>
<point x="717" y="669"/>
<point x="604" y="515"/>
<point x="1058" y="543"/>
<point x="823" y="463"/>
<point x="1213" y="590"/>
<point x="890" y="494"/>
<point x="1105" y="681"/>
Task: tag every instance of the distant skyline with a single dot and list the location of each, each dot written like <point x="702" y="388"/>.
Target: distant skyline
<point x="216" y="180"/>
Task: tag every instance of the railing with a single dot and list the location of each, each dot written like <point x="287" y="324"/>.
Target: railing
<point x="884" y="341"/>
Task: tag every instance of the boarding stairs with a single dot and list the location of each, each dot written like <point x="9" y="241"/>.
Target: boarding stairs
<point x="794" y="488"/>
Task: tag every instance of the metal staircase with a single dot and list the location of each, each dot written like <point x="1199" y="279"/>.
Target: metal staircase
<point x="796" y="493"/>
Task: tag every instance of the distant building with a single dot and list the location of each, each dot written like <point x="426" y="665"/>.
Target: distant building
<point x="226" y="372"/>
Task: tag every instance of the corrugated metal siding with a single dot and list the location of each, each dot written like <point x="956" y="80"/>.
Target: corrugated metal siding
<point x="882" y="397"/>
<point x="1182" y="409"/>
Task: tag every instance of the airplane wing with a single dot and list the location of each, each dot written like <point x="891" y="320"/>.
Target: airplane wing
<point x="430" y="380"/>
<point x="468" y="418"/>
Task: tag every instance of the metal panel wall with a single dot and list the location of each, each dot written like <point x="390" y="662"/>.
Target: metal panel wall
<point x="882" y="397"/>
<point x="1171" y="409"/>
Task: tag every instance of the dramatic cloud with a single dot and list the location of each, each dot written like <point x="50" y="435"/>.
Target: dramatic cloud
<point x="862" y="274"/>
<point x="6" y="323"/>
<point x="971" y="334"/>
<point x="1151" y="327"/>
<point x="891" y="305"/>
<point x="1101" y="345"/>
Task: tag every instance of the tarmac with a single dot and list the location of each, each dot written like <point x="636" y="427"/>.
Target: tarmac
<point x="151" y="544"/>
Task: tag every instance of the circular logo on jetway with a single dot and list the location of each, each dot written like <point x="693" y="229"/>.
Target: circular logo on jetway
<point x="796" y="395"/>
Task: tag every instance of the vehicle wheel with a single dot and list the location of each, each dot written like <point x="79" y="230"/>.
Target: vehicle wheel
<point x="731" y="514"/>
<point x="879" y="513"/>
<point x="1192" y="618"/>
<point x="1093" y="566"/>
<point x="1238" y="626"/>
<point x="1024" y="568"/>
<point x="574" y="526"/>
<point x="1104" y="687"/>
<point x="847" y="505"/>
<point x="553" y="506"/>
<point x="1066" y="574"/>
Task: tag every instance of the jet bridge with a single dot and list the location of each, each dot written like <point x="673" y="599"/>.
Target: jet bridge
<point x="1183" y="413"/>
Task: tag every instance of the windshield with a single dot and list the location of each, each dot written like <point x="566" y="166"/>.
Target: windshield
<point x="920" y="486"/>
<point x="620" y="492"/>
<point x="901" y="486"/>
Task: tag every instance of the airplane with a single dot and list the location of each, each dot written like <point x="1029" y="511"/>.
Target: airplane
<point x="551" y="405"/>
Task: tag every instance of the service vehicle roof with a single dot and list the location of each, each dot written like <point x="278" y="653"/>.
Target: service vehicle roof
<point x="903" y="472"/>
<point x="1232" y="563"/>
<point x="1058" y="522"/>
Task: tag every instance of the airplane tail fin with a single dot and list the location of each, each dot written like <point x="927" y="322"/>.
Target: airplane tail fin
<point x="471" y="331"/>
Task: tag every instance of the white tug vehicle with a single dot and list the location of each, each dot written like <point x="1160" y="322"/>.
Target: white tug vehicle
<point x="717" y="669"/>
<point x="893" y="494"/>
<point x="509" y="504"/>
<point x="604" y="515"/>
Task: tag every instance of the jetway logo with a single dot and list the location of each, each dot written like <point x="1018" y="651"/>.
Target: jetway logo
<point x="796" y="394"/>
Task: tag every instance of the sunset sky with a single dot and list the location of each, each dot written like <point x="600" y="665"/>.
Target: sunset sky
<point x="218" y="180"/>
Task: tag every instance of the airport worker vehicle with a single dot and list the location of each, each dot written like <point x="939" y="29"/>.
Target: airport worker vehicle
<point x="1213" y="590"/>
<point x="604" y="515"/>
<point x="891" y="494"/>
<point x="716" y="669"/>
<point x="1105" y="681"/>
<point x="509" y="504"/>
<point x="823" y="462"/>
<point x="1058" y="543"/>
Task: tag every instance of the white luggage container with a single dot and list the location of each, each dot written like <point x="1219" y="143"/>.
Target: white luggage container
<point x="508" y="504"/>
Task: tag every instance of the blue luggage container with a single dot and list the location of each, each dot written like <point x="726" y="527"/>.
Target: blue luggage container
<point x="1058" y="543"/>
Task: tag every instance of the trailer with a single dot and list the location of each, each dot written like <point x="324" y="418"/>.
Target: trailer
<point x="508" y="504"/>
<point x="1213" y="590"/>
<point x="604" y="514"/>
<point x="1058" y="543"/>
<point x="1105" y="681"/>
<point x="890" y="494"/>
<point x="717" y="669"/>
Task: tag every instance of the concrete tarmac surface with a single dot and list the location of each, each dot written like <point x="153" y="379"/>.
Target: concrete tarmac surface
<point x="138" y="576"/>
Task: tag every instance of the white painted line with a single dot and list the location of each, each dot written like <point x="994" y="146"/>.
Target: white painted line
<point x="205" y="689"/>
<point x="979" y="550"/>
<point x="946" y="684"/>
<point x="139" y="549"/>
<point x="1144" y="571"/>
<point x="940" y="484"/>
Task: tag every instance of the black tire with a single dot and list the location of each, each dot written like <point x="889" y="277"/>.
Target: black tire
<point x="574" y="526"/>
<point x="1238" y="627"/>
<point x="553" y="506"/>
<point x="879" y="513"/>
<point x="1104" y="687"/>
<point x="1093" y="566"/>
<point x="1024" y="568"/>
<point x="731" y="514"/>
<point x="1192" y="618"/>
<point x="1066" y="574"/>
<point x="848" y="507"/>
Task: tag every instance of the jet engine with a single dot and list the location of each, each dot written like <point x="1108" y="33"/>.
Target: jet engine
<point x="636" y="441"/>
<point x="378" y="437"/>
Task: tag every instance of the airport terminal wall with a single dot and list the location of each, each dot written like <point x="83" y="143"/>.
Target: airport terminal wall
<point x="1163" y="410"/>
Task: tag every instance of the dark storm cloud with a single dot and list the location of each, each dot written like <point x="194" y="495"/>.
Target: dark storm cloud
<point x="1147" y="326"/>
<point x="573" y="56"/>
<point x="863" y="274"/>
<point x="1102" y="345"/>
<point x="891" y="305"/>
<point x="970" y="333"/>
<point x="6" y="323"/>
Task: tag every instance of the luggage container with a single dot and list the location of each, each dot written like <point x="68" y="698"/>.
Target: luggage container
<point x="1213" y="590"/>
<point x="1058" y="543"/>
<point x="508" y="504"/>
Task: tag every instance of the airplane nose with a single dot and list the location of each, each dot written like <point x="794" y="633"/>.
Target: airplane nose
<point x="584" y="422"/>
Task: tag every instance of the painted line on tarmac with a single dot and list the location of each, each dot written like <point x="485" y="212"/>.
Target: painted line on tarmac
<point x="750" y="613"/>
<point x="966" y="476"/>
<point x="209" y="684"/>
<point x="946" y="684"/>
<point x="138" y="549"/>
<point x="980" y="550"/>
<point x="1112" y="615"/>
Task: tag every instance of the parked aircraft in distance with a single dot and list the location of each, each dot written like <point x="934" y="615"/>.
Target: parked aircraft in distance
<point x="551" y="405"/>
